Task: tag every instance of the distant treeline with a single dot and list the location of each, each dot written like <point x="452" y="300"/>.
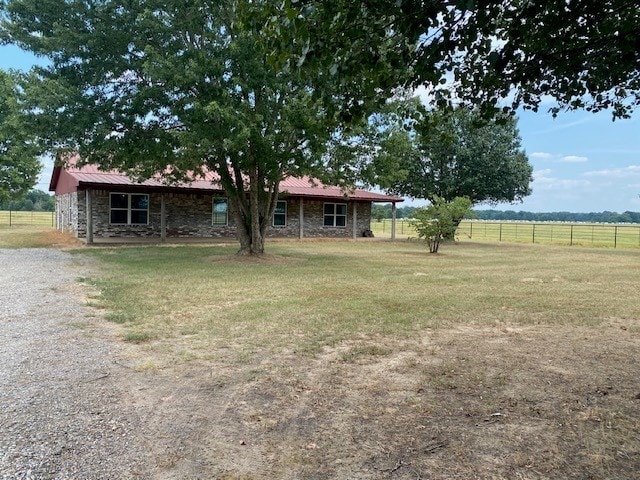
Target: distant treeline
<point x="381" y="211"/>
<point x="591" y="217"/>
<point x="34" y="201"/>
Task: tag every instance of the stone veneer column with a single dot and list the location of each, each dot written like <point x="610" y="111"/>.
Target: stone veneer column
<point x="163" y="219"/>
<point x="355" y="220"/>
<point x="89" y="215"/>
<point x="301" y="219"/>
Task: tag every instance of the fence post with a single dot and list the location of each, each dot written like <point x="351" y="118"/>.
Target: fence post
<point x="571" y="237"/>
<point x="471" y="231"/>
<point x="615" y="237"/>
<point x="9" y="217"/>
<point x="500" y="232"/>
<point x="533" y="240"/>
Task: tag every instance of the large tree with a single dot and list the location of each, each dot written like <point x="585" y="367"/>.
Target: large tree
<point x="173" y="87"/>
<point x="19" y="164"/>
<point x="582" y="53"/>
<point x="446" y="154"/>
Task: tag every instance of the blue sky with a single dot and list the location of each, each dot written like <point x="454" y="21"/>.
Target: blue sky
<point x="583" y="162"/>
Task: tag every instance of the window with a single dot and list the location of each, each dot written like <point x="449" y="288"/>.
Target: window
<point x="220" y="211"/>
<point x="335" y="214"/>
<point x="129" y="208"/>
<point x="280" y="214"/>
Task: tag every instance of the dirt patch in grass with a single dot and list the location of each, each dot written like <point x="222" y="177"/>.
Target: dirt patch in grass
<point x="473" y="402"/>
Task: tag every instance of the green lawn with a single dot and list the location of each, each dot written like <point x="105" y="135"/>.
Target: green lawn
<point x="306" y="295"/>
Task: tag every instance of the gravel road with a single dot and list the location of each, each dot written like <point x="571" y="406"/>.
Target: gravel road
<point x="63" y="412"/>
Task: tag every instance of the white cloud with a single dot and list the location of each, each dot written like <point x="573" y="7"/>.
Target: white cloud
<point x="542" y="173"/>
<point x="542" y="155"/>
<point x="573" y="159"/>
<point x="558" y="157"/>
<point x="563" y="126"/>
<point x="542" y="180"/>
<point x="623" y="172"/>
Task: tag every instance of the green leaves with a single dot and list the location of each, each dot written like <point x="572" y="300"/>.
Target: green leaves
<point x="439" y="221"/>
<point x="447" y="154"/>
<point x="583" y="54"/>
<point x="19" y="148"/>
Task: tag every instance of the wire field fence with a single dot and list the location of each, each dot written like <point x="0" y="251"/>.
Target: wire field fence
<point x="596" y="234"/>
<point x="10" y="218"/>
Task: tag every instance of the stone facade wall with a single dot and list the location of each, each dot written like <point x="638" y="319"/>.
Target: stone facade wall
<point x="313" y="213"/>
<point x="67" y="212"/>
<point x="190" y="215"/>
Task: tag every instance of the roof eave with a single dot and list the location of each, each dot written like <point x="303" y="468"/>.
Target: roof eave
<point x="54" y="178"/>
<point x="83" y="185"/>
<point x="345" y="198"/>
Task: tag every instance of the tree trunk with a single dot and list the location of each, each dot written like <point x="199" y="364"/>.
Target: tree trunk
<point x="257" y="242"/>
<point x="251" y="205"/>
<point x="253" y="220"/>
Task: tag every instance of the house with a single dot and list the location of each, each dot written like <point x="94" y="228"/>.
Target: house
<point x="94" y="204"/>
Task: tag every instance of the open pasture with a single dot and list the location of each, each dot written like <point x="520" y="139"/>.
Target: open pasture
<point x="597" y="234"/>
<point x="601" y="234"/>
<point x="342" y="359"/>
<point x="14" y="218"/>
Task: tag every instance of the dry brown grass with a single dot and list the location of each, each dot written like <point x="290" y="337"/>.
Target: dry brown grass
<point x="36" y="237"/>
<point x="377" y="360"/>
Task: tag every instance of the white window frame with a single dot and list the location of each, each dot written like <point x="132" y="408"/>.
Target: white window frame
<point x="213" y="212"/>
<point x="334" y="215"/>
<point x="129" y="209"/>
<point x="273" y="220"/>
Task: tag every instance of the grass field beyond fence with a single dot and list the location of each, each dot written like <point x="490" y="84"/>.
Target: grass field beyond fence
<point x="17" y="218"/>
<point x="598" y="234"/>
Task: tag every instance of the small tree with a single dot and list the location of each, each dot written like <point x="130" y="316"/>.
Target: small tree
<point x="439" y="221"/>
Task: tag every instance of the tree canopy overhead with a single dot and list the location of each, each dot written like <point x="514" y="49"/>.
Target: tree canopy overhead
<point x="582" y="53"/>
<point x="19" y="164"/>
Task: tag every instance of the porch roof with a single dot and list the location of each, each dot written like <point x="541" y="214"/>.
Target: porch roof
<point x="69" y="178"/>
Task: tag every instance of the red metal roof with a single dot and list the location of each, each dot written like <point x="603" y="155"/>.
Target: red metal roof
<point x="71" y="178"/>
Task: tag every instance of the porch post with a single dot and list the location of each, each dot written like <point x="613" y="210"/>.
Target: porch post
<point x="355" y="220"/>
<point x="393" y="221"/>
<point x="163" y="219"/>
<point x="301" y="218"/>
<point x="89" y="215"/>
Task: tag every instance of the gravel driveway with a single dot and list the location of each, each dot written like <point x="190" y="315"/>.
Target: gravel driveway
<point x="63" y="412"/>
